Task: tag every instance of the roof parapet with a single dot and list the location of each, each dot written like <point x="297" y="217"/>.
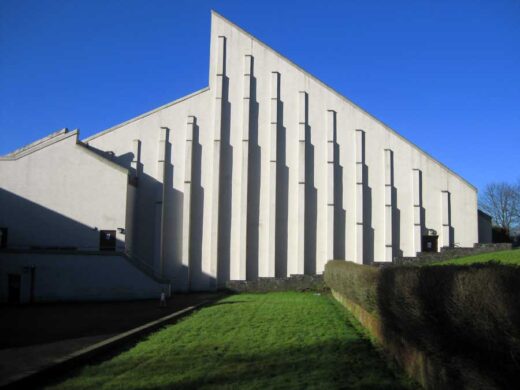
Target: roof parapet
<point x="36" y="143"/>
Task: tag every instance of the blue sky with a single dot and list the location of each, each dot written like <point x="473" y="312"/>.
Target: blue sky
<point x="444" y="74"/>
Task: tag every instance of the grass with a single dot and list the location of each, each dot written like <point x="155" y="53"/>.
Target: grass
<point x="503" y="257"/>
<point x="283" y="340"/>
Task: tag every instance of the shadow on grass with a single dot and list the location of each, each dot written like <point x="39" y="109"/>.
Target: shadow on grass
<point x="277" y="340"/>
<point x="335" y="364"/>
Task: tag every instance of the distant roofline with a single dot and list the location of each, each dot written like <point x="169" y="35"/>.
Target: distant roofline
<point x="331" y="89"/>
<point x="181" y="99"/>
<point x="485" y="214"/>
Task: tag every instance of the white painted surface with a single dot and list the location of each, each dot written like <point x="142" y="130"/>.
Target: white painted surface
<point x="62" y="195"/>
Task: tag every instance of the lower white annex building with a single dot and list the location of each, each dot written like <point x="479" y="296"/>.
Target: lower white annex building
<point x="267" y="172"/>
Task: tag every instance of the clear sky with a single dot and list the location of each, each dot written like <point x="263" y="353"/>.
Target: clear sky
<point x="444" y="74"/>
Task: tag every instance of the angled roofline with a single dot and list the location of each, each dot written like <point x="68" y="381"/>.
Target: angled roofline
<point x="54" y="138"/>
<point x="36" y="143"/>
<point x="338" y="94"/>
<point x="40" y="144"/>
<point x="179" y="100"/>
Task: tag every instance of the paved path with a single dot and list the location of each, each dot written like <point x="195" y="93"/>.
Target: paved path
<point x="32" y="337"/>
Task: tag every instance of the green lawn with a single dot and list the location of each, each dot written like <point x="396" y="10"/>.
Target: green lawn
<point x="251" y="341"/>
<point x="504" y="257"/>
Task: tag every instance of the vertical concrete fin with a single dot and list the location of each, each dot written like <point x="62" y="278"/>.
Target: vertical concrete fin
<point x="360" y="167"/>
<point x="161" y="150"/>
<point x="211" y="268"/>
<point x="331" y="129"/>
<point x="389" y="185"/>
<point x="238" y="270"/>
<point x="303" y="109"/>
<point x="269" y="269"/>
<point x="418" y="223"/>
<point x="136" y="152"/>
<point x="186" y="220"/>
<point x="446" y="219"/>
<point x="162" y="160"/>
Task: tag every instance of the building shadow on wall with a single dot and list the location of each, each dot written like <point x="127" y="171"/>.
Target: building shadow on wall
<point x="35" y="227"/>
<point x="368" y="230"/>
<point x="339" y="211"/>
<point x="147" y="220"/>
<point x="396" y="214"/>
<point x="147" y="207"/>
<point x="225" y="188"/>
<point x="311" y="201"/>
<point x="282" y="196"/>
<point x="253" y="191"/>
<point x="396" y="226"/>
<point x="197" y="213"/>
<point x="172" y="224"/>
<point x="451" y="230"/>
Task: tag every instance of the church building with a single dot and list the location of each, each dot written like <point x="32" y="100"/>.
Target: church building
<point x="267" y="172"/>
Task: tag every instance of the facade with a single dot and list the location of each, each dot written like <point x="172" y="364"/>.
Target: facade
<point x="485" y="228"/>
<point x="267" y="172"/>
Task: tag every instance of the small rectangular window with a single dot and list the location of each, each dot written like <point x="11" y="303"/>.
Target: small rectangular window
<point x="107" y="240"/>
<point x="14" y="284"/>
<point x="3" y="237"/>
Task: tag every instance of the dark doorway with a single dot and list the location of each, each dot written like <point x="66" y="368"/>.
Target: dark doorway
<point x="107" y="240"/>
<point x="429" y="243"/>
<point x="3" y="237"/>
<point x="14" y="287"/>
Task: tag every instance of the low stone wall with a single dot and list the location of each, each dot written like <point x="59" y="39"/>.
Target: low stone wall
<point x="448" y="253"/>
<point x="292" y="283"/>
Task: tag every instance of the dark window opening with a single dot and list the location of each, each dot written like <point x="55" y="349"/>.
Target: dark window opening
<point x="429" y="243"/>
<point x="107" y="240"/>
<point x="14" y="283"/>
<point x="3" y="237"/>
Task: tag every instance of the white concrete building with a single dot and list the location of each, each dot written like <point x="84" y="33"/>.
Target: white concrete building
<point x="266" y="172"/>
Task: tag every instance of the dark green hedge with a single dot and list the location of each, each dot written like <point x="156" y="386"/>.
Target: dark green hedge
<point x="356" y="282"/>
<point x="459" y="313"/>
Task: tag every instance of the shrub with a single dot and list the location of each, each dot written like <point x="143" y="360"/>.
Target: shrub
<point x="467" y="316"/>
<point x="354" y="281"/>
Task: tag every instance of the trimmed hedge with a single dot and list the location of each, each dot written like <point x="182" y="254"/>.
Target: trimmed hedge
<point x="354" y="281"/>
<point x="466" y="317"/>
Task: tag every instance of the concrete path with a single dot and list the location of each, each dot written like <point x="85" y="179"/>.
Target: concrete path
<point x="33" y="338"/>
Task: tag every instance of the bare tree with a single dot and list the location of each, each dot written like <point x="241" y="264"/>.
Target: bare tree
<point x="502" y="202"/>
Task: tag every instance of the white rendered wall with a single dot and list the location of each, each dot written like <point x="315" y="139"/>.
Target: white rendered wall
<point x="150" y="191"/>
<point x="405" y="157"/>
<point x="60" y="194"/>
